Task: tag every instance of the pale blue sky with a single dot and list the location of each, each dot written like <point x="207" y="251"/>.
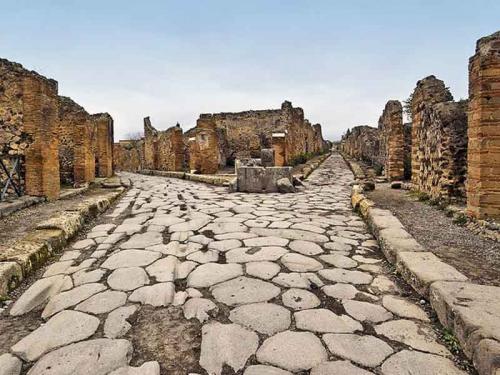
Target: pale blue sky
<point x="339" y="60"/>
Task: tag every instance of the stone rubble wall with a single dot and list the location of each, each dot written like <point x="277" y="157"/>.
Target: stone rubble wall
<point x="128" y="155"/>
<point x="483" y="188"/>
<point x="56" y="138"/>
<point x="363" y="143"/>
<point x="392" y="140"/>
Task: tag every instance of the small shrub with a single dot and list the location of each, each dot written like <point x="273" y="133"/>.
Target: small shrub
<point x="460" y="219"/>
<point x="451" y="341"/>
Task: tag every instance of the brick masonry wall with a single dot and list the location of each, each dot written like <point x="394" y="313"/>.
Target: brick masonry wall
<point x="483" y="189"/>
<point x="392" y="140"/>
<point x="128" y="155"/>
<point x="363" y="143"/>
<point x="163" y="150"/>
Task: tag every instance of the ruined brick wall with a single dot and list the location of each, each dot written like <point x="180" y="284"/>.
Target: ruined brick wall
<point x="104" y="144"/>
<point x="483" y="188"/>
<point x="407" y="150"/>
<point x="363" y="143"/>
<point x="163" y="150"/>
<point x="443" y="150"/>
<point x="28" y="121"/>
<point x="128" y="155"/>
<point x="205" y="148"/>
<point x="428" y="92"/>
<point x="392" y="145"/>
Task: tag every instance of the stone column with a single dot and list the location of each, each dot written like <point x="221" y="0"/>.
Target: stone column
<point x="40" y="111"/>
<point x="483" y="179"/>
<point x="84" y="162"/>
<point x="104" y="144"/>
<point x="391" y="124"/>
<point x="429" y="91"/>
<point x="208" y="145"/>
<point x="279" y="147"/>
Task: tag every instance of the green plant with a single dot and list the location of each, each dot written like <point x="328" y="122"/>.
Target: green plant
<point x="451" y="341"/>
<point x="460" y="219"/>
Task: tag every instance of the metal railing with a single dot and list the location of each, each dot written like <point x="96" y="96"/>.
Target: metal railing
<point x="13" y="177"/>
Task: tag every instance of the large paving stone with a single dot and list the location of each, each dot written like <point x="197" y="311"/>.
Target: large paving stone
<point x="103" y="302"/>
<point x="403" y="308"/>
<point x="265" y="370"/>
<point x="86" y="276"/>
<point x="64" y="328"/>
<point x="339" y="260"/>
<point x="70" y="298"/>
<point x="96" y="357"/>
<point x="340" y="291"/>
<point x="367" y="350"/>
<point x="130" y="258"/>
<point x="10" y="365"/>
<point x="346" y="276"/>
<point x="161" y="294"/>
<point x="303" y="280"/>
<point x="147" y="368"/>
<point x="204" y="256"/>
<point x="199" y="308"/>
<point x="293" y="351"/>
<point x="292" y="234"/>
<point x="265" y="241"/>
<point x="164" y="269"/>
<point x="300" y="299"/>
<point x="129" y="278"/>
<point x="143" y="240"/>
<point x="341" y="368"/>
<point x="210" y="274"/>
<point x="116" y="324"/>
<point x="305" y="247"/>
<point x="300" y="263"/>
<point x="413" y="362"/>
<point x="223" y="228"/>
<point x="418" y="336"/>
<point x="366" y="312"/>
<point x="39" y="293"/>
<point x="263" y="270"/>
<point x="323" y="320"/>
<point x="255" y="254"/>
<point x="471" y="310"/>
<point x="244" y="290"/>
<point x="226" y="344"/>
<point x="265" y="318"/>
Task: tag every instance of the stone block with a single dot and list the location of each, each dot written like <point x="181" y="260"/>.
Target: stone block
<point x="260" y="179"/>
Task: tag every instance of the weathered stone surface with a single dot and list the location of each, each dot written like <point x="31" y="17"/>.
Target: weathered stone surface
<point x="323" y="320"/>
<point x="293" y="351"/>
<point x="224" y="245"/>
<point x="130" y="258"/>
<point x="265" y="370"/>
<point x="365" y="350"/>
<point x="345" y="276"/>
<point x="297" y="280"/>
<point x="299" y="299"/>
<point x="300" y="263"/>
<point x="161" y="294"/>
<point x="266" y="318"/>
<point x="143" y="240"/>
<point x="39" y="293"/>
<point x="64" y="328"/>
<point x="255" y="254"/>
<point x="199" y="308"/>
<point x="128" y="278"/>
<point x="97" y="357"/>
<point x="70" y="298"/>
<point x="116" y="324"/>
<point x="284" y="185"/>
<point x="204" y="256"/>
<point x="414" y="362"/>
<point x="164" y="269"/>
<point x="291" y="234"/>
<point x="338" y="367"/>
<point x="244" y="290"/>
<point x="265" y="241"/>
<point x="403" y="308"/>
<point x="226" y="344"/>
<point x="210" y="274"/>
<point x="340" y="291"/>
<point x="365" y="311"/>
<point x="103" y="302"/>
<point x="10" y="365"/>
<point x="419" y="337"/>
<point x="262" y="270"/>
<point x="85" y="276"/>
<point x="339" y="261"/>
<point x="147" y="368"/>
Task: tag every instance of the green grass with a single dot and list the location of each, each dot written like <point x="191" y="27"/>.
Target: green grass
<point x="451" y="341"/>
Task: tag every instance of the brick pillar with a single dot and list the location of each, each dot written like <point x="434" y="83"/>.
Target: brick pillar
<point x="84" y="162"/>
<point x="391" y="123"/>
<point x="429" y="91"/>
<point x="178" y="149"/>
<point x="279" y="147"/>
<point x="40" y="111"/>
<point x="483" y="179"/>
<point x="104" y="145"/>
<point x="208" y="145"/>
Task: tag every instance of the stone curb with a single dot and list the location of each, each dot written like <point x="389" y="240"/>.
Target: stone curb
<point x="471" y="311"/>
<point x="218" y="180"/>
<point x="49" y="237"/>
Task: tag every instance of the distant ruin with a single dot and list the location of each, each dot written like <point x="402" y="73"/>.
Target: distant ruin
<point x="53" y="139"/>
<point x="219" y="139"/>
<point x="454" y="147"/>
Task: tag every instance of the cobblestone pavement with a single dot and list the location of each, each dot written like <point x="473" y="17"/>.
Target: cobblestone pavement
<point x="282" y="284"/>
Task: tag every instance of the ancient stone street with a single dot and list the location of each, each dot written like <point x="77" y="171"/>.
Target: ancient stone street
<point x="279" y="283"/>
